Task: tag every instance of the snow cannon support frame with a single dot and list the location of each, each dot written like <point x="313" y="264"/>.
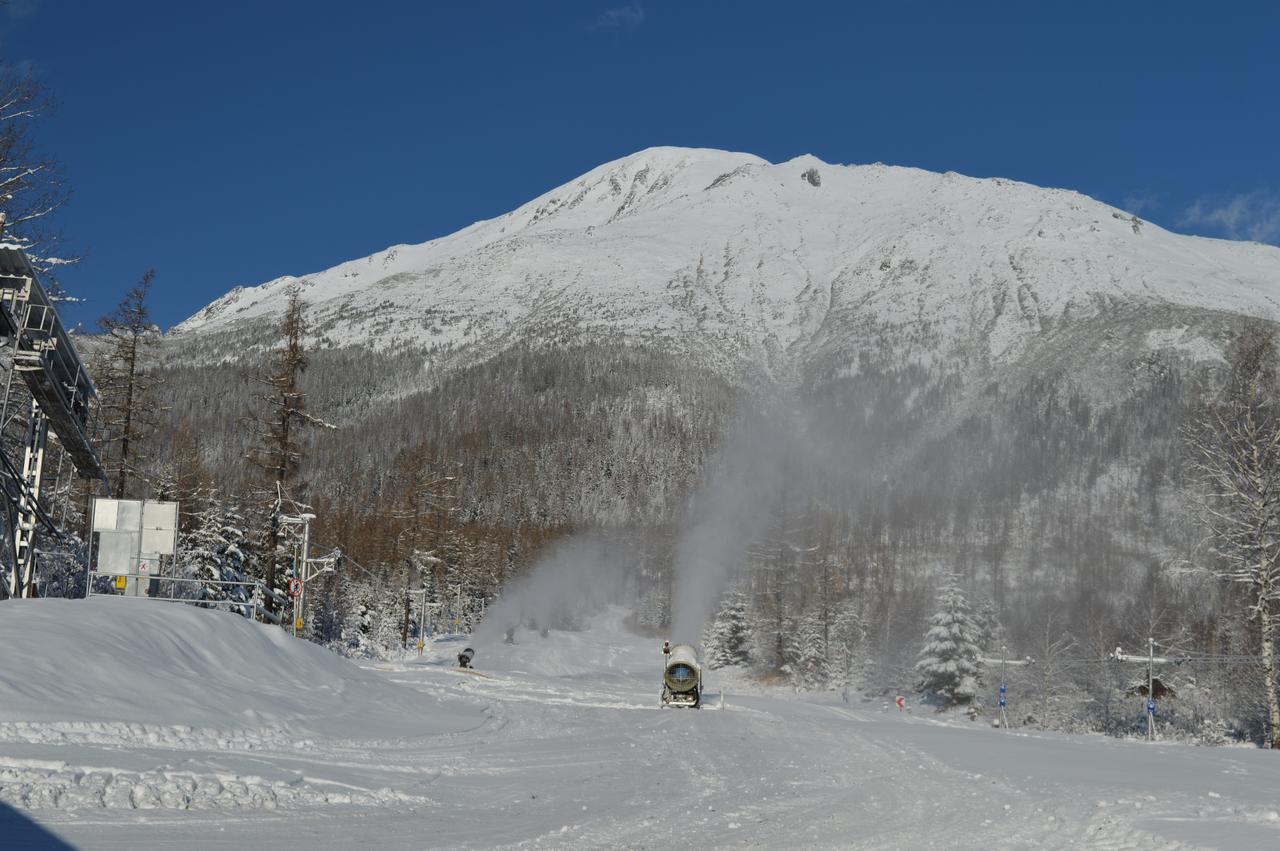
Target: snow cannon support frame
<point x="681" y="676"/>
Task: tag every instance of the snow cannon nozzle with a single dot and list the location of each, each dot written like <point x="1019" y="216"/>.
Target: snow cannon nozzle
<point x="681" y="676"/>
<point x="465" y="657"/>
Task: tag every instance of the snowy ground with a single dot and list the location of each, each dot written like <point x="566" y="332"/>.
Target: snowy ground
<point x="130" y="724"/>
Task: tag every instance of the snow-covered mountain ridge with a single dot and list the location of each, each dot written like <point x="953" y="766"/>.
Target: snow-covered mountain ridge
<point x="796" y="266"/>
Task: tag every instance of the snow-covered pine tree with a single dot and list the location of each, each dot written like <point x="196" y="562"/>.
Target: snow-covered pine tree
<point x="198" y="555"/>
<point x="62" y="569"/>
<point x="214" y="550"/>
<point x="349" y="619"/>
<point x="655" y="608"/>
<point x="710" y="641"/>
<point x="990" y="630"/>
<point x="729" y="636"/>
<point x="848" y="645"/>
<point x="384" y="632"/>
<point x="949" y="662"/>
<point x="327" y="611"/>
<point x="806" y="654"/>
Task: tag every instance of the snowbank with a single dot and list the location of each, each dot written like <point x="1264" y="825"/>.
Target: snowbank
<point x="171" y="668"/>
<point x="574" y="753"/>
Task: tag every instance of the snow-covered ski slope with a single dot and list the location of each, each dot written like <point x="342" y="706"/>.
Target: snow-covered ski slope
<point x="783" y="266"/>
<point x="129" y="724"/>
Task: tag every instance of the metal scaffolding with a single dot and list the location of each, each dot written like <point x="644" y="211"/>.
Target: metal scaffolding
<point x="62" y="397"/>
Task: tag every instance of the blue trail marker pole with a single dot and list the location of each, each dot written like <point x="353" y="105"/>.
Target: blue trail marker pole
<point x="1151" y="689"/>
<point x="1004" y="683"/>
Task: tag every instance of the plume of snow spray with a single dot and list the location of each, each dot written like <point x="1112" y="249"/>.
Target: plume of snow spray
<point x="583" y="574"/>
<point x="575" y="577"/>
<point x="748" y="475"/>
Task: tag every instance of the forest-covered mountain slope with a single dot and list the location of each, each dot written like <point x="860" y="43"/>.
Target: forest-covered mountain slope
<point x="586" y="350"/>
<point x="976" y="376"/>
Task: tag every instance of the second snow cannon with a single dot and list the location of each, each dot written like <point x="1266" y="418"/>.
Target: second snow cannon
<point x="681" y="676"/>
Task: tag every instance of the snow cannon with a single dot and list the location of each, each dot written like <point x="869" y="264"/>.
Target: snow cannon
<point x="681" y="676"/>
<point x="465" y="657"/>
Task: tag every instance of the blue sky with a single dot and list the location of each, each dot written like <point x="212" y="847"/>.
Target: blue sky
<point x="231" y="142"/>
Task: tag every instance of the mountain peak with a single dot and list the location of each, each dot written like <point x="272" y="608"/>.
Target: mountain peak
<point x="743" y="262"/>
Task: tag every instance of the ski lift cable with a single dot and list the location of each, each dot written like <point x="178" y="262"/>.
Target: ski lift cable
<point x="1192" y="659"/>
<point x="346" y="559"/>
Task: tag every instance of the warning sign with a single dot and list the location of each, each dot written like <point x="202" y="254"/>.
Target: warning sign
<point x="295" y="587"/>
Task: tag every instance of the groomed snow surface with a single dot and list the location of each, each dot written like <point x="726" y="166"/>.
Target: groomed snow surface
<point x="137" y="724"/>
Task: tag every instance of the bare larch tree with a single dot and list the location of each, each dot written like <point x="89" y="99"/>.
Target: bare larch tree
<point x="1235" y="446"/>
<point x="426" y="500"/>
<point x="277" y="428"/>
<point x="124" y="383"/>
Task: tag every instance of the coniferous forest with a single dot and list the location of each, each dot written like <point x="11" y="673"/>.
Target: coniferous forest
<point x="1065" y="522"/>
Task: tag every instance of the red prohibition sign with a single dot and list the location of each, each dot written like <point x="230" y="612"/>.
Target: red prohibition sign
<point x="295" y="587"/>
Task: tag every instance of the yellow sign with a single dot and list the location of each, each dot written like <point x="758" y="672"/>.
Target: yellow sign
<point x="122" y="582"/>
<point x="297" y="624"/>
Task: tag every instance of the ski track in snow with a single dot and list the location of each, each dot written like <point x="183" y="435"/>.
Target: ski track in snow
<point x="570" y="750"/>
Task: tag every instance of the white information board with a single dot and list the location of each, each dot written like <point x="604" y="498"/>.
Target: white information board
<point x="133" y="534"/>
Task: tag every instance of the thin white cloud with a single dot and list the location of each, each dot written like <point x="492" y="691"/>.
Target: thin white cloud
<point x="1255" y="216"/>
<point x="1140" y="202"/>
<point x="626" y="17"/>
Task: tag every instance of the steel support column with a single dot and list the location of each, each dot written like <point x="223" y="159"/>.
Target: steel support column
<point x="22" y="576"/>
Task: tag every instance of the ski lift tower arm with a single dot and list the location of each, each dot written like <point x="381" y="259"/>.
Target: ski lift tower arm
<point x="47" y="360"/>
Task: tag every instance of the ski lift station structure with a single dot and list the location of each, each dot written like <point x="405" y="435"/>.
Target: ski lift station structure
<point x="47" y="360"/>
<point x="62" y="398"/>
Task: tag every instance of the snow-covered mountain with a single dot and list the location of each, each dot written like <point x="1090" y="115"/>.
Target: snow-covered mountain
<point x="796" y="268"/>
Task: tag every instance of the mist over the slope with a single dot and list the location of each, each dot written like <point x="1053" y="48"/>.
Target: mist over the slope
<point x="722" y="518"/>
<point x="769" y="466"/>
<point x="852" y="495"/>
<point x="588" y="571"/>
<point x="577" y="577"/>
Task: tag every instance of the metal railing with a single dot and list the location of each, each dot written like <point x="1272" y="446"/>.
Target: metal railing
<point x="247" y="598"/>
